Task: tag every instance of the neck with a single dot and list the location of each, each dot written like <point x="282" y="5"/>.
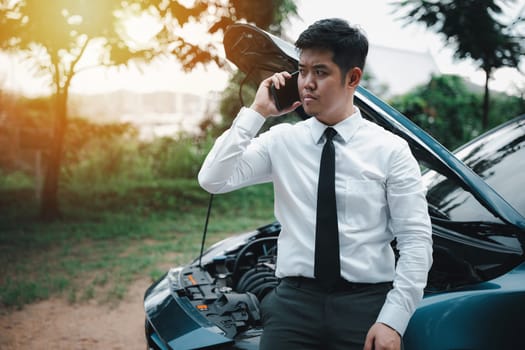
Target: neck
<point x="338" y="117"/>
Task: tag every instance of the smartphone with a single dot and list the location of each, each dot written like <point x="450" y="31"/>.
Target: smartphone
<point x="286" y="95"/>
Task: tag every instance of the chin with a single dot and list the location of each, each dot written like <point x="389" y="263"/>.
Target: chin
<point x="311" y="111"/>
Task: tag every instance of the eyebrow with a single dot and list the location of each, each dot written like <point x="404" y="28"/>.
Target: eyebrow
<point x="315" y="66"/>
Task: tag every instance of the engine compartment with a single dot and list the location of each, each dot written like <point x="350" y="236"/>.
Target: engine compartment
<point x="228" y="290"/>
<point x="221" y="290"/>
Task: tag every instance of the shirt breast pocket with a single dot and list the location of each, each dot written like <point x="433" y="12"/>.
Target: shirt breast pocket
<point x="365" y="204"/>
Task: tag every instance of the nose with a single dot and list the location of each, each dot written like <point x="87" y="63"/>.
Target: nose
<point x="307" y="81"/>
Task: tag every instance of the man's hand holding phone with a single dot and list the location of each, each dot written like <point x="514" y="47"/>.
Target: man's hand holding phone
<point x="286" y="95"/>
<point x="277" y="95"/>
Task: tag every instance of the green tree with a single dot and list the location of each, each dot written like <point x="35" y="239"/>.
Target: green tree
<point x="475" y="29"/>
<point x="448" y="109"/>
<point x="445" y="108"/>
<point x="55" y="35"/>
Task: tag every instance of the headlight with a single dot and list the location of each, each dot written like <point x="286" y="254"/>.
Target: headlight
<point x="174" y="278"/>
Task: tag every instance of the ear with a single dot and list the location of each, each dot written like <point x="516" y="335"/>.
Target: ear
<point x="354" y="77"/>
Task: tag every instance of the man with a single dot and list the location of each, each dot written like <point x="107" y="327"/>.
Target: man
<point x="375" y="193"/>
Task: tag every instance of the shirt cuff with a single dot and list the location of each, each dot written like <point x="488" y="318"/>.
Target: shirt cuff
<point x="249" y="121"/>
<point x="394" y="317"/>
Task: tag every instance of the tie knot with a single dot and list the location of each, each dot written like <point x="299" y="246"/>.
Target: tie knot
<point x="329" y="133"/>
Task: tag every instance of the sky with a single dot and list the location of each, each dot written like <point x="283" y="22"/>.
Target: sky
<point x="375" y="17"/>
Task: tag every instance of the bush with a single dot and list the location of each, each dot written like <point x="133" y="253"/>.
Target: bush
<point x="15" y="180"/>
<point x="181" y="157"/>
<point x="107" y="163"/>
<point x="111" y="157"/>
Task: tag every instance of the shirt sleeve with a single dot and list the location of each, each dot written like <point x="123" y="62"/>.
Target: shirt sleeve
<point x="410" y="224"/>
<point x="234" y="160"/>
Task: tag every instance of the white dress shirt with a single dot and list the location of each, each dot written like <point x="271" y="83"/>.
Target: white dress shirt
<point x="379" y="197"/>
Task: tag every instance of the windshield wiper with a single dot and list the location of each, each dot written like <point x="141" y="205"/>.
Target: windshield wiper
<point x="435" y="212"/>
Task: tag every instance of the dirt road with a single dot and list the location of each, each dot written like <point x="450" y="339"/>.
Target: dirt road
<point x="56" y="324"/>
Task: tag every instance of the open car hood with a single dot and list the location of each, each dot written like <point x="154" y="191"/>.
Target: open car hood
<point x="259" y="54"/>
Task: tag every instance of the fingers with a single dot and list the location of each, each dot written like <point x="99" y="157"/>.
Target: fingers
<point x="293" y="107"/>
<point x="263" y="102"/>
<point x="369" y="342"/>
<point x="382" y="337"/>
<point x="279" y="79"/>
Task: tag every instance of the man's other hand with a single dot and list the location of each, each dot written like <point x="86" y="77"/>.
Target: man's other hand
<point x="382" y="337"/>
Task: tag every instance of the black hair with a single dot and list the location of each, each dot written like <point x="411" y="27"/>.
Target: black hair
<point x="348" y="43"/>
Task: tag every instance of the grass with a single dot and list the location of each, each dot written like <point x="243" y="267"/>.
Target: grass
<point x="106" y="239"/>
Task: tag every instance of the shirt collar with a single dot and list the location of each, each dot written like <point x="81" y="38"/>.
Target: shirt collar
<point x="345" y="128"/>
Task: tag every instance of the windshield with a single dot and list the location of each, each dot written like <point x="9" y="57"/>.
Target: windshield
<point x="498" y="157"/>
<point x="448" y="200"/>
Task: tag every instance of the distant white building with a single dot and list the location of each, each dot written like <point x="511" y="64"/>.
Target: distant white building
<point x="155" y="114"/>
<point x="399" y="70"/>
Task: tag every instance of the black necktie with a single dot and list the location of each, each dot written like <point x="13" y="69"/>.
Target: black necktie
<point x="327" y="265"/>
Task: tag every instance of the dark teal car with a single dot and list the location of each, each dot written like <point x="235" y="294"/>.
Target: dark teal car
<point x="480" y="301"/>
<point x="475" y="297"/>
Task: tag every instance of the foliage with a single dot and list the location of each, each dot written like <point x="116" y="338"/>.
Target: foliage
<point x="239" y="93"/>
<point x="107" y="162"/>
<point x="24" y="125"/>
<point x="62" y="28"/>
<point x="110" y="157"/>
<point x="504" y="108"/>
<point x="448" y="110"/>
<point x="55" y="34"/>
<point x="179" y="157"/>
<point x="15" y="180"/>
<point x="475" y="29"/>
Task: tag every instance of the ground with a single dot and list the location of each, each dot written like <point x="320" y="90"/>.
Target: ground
<point x="57" y="324"/>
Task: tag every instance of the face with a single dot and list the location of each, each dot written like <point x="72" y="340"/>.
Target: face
<point x="325" y="94"/>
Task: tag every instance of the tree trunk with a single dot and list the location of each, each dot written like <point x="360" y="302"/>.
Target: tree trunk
<point x="49" y="206"/>
<point x="485" y="120"/>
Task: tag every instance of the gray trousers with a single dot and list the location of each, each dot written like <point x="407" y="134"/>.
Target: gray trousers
<point x="298" y="314"/>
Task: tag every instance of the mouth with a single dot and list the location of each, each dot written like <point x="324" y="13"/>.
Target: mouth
<point x="308" y="98"/>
